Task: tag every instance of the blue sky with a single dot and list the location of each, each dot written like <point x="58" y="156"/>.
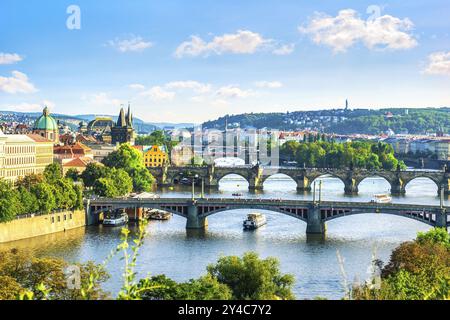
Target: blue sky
<point x="190" y="61"/>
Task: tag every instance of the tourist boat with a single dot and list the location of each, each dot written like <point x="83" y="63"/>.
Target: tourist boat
<point x="116" y="219"/>
<point x="254" y="221"/>
<point x="159" y="215"/>
<point x="381" y="198"/>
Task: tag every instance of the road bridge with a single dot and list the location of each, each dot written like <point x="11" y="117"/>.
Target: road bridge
<point x="315" y="214"/>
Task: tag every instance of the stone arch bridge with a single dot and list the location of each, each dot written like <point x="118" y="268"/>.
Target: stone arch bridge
<point x="257" y="175"/>
<point x="313" y="213"/>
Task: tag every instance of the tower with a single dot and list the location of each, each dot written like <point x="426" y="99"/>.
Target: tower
<point x="123" y="131"/>
<point x="346" y="104"/>
<point x="46" y="126"/>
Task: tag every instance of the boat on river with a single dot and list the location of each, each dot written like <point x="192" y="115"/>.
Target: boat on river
<point x="381" y="198"/>
<point x="254" y="221"/>
<point x="158" y="215"/>
<point x="115" y="218"/>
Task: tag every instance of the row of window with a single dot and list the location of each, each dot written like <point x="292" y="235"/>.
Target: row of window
<point x="58" y="218"/>
<point x="20" y="149"/>
<point x="18" y="172"/>
<point x="19" y="161"/>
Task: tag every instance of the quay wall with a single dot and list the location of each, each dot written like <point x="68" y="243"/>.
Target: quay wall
<point x="39" y="225"/>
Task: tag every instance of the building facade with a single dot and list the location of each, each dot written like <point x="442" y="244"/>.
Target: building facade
<point x="17" y="157"/>
<point x="44" y="152"/>
<point x="155" y="157"/>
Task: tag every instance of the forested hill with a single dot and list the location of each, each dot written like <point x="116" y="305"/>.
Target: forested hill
<point x="365" y="121"/>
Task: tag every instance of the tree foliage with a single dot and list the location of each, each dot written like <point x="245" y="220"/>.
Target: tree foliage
<point x="324" y="154"/>
<point x="251" y="278"/>
<point x="417" y="270"/>
<point x="131" y="161"/>
<point x="21" y="271"/>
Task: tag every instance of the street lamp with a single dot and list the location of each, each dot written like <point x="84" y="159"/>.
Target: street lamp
<point x="193" y="186"/>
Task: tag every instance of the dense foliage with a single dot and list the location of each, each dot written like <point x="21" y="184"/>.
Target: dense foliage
<point x="22" y="275"/>
<point x="417" y="270"/>
<point x="39" y="194"/>
<point x="131" y="161"/>
<point x="365" y="121"/>
<point x="324" y="154"/>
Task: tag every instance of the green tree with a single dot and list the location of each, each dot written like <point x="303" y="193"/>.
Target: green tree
<point x="251" y="278"/>
<point x="435" y="235"/>
<point x="45" y="196"/>
<point x="92" y="173"/>
<point x="9" y="202"/>
<point x="72" y="174"/>
<point x="131" y="160"/>
<point x="53" y="172"/>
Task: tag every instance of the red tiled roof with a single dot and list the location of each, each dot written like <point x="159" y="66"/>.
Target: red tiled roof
<point x="38" y="138"/>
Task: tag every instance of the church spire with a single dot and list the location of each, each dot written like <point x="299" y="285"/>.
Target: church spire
<point x="129" y="116"/>
<point x="121" y="122"/>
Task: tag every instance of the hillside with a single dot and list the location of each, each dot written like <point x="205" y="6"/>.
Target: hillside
<point x="365" y="121"/>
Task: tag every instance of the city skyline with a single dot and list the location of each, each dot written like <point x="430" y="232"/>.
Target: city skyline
<point x="179" y="62"/>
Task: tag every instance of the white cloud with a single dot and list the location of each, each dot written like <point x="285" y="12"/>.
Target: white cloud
<point x="29" y="107"/>
<point x="18" y="83"/>
<point x="101" y="99"/>
<point x="241" y="42"/>
<point x="158" y="93"/>
<point x="438" y="63"/>
<point x="284" y="50"/>
<point x="268" y="84"/>
<point x="133" y="44"/>
<point x="190" y="84"/>
<point x="347" y="28"/>
<point x="232" y="91"/>
<point x="9" y="58"/>
<point x="136" y="86"/>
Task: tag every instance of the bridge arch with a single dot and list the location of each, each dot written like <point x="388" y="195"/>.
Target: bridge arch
<point x="364" y="183"/>
<point x="291" y="214"/>
<point x="118" y="207"/>
<point x="426" y="218"/>
<point x="274" y="176"/>
<point x="228" y="174"/>
<point x="434" y="182"/>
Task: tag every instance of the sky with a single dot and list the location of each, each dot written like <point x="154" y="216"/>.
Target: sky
<point x="192" y="61"/>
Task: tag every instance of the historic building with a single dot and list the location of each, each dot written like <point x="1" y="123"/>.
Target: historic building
<point x="44" y="152"/>
<point x="123" y="131"/>
<point x="17" y="156"/>
<point x="67" y="153"/>
<point x="155" y="157"/>
<point x="47" y="127"/>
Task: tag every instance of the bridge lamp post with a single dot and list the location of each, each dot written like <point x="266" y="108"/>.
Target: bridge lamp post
<point x="193" y="186"/>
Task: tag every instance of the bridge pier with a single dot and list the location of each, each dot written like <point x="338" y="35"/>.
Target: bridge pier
<point x="351" y="188"/>
<point x="398" y="187"/>
<point x="193" y="219"/>
<point x="315" y="224"/>
<point x="303" y="184"/>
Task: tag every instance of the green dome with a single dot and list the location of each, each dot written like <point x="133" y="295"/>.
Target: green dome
<point x="45" y="122"/>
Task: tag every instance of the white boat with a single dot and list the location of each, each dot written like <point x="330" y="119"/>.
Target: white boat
<point x="116" y="219"/>
<point x="381" y="198"/>
<point x="254" y="221"/>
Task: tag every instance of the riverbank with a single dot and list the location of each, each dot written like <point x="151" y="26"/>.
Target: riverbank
<point x="39" y="225"/>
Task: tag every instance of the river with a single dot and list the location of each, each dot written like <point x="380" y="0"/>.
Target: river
<point x="183" y="255"/>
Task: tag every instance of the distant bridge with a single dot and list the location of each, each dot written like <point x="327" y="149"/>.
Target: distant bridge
<point x="257" y="175"/>
<point x="315" y="214"/>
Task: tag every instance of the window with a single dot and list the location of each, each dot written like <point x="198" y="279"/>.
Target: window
<point x="59" y="219"/>
<point x="53" y="219"/>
